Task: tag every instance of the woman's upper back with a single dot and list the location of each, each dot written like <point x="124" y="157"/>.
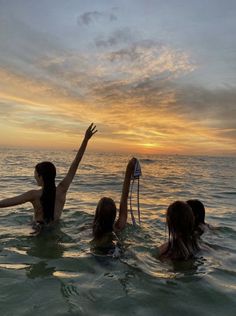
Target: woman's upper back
<point x="60" y="199"/>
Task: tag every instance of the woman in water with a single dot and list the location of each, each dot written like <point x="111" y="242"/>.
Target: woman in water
<point x="104" y="224"/>
<point x="182" y="243"/>
<point x="49" y="201"/>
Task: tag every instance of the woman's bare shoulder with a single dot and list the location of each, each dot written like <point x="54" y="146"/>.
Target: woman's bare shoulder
<point x="34" y="194"/>
<point x="61" y="189"/>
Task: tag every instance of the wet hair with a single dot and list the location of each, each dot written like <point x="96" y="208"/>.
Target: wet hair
<point x="104" y="217"/>
<point x="182" y="243"/>
<point x="198" y="211"/>
<point x="47" y="171"/>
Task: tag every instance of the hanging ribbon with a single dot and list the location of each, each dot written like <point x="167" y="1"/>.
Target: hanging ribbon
<point x="135" y="176"/>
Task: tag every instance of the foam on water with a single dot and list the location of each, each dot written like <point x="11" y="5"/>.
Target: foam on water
<point x="57" y="273"/>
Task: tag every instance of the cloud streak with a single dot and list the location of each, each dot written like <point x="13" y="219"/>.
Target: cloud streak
<point x="120" y="36"/>
<point x="91" y="17"/>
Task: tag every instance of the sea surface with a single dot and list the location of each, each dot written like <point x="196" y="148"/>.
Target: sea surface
<point x="57" y="273"/>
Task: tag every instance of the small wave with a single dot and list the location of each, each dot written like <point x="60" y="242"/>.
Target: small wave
<point x="148" y="161"/>
<point x="228" y="192"/>
<point x="89" y="167"/>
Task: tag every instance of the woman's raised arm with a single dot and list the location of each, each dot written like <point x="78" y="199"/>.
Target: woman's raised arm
<point x="65" y="183"/>
<point x="122" y="219"/>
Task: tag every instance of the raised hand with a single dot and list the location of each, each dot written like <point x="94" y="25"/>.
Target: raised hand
<point x="131" y="164"/>
<point x="90" y="131"/>
<point x="65" y="183"/>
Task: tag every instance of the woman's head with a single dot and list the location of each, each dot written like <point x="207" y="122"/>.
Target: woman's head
<point x="198" y="211"/>
<point x="104" y="217"/>
<point x="45" y="173"/>
<point x="180" y="221"/>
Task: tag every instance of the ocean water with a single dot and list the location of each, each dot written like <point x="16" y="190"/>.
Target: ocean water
<point x="57" y="273"/>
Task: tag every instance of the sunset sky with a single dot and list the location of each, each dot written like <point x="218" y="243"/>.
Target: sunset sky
<point x="155" y="76"/>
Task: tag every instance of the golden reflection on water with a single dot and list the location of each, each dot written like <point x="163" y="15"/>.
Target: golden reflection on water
<point x="17" y="230"/>
<point x="230" y="286"/>
<point x="22" y="252"/>
<point x="73" y="254"/>
<point x="64" y="274"/>
<point x="163" y="274"/>
<point x="13" y="266"/>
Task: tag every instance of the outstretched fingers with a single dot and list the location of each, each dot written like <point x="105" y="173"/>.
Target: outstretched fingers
<point x="93" y="129"/>
<point x="90" y="131"/>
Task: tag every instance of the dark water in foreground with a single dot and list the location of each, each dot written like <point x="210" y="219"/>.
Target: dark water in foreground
<point x="57" y="274"/>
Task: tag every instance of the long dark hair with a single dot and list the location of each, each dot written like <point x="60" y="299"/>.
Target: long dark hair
<point x="104" y="217"/>
<point x="182" y="243"/>
<point x="198" y="211"/>
<point x="199" y="214"/>
<point x="47" y="171"/>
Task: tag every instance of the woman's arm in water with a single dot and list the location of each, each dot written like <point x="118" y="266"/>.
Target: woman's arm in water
<point x="65" y="183"/>
<point x="19" y="199"/>
<point x="122" y="219"/>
